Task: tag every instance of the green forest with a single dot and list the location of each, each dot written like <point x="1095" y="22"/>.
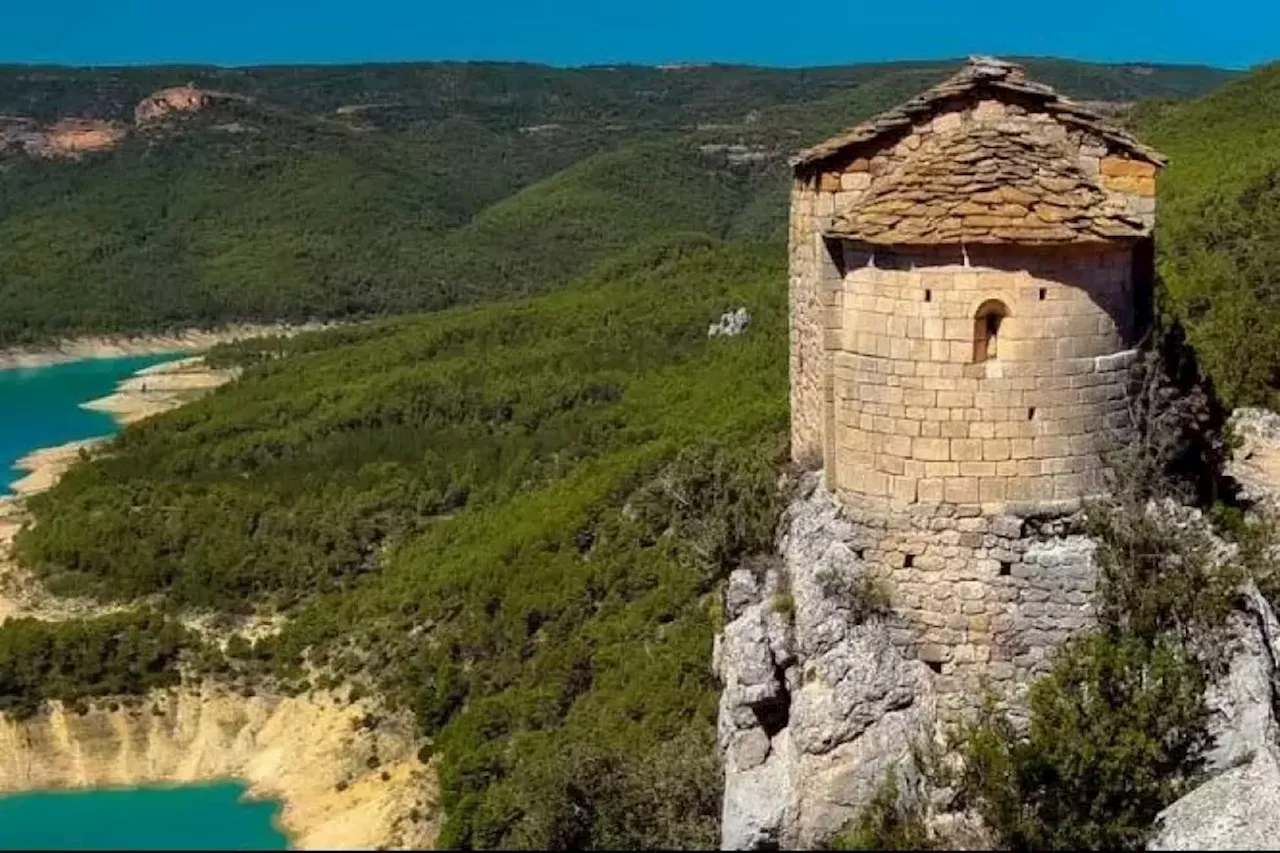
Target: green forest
<point x="511" y="518"/>
<point x="549" y="486"/>
<point x="1219" y="230"/>
<point x="359" y="192"/>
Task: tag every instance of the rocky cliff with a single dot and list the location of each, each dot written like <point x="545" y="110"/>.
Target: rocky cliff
<point x="348" y="775"/>
<point x="177" y="100"/>
<point x="70" y="137"/>
<point x="73" y="137"/>
<point x="1238" y="807"/>
<point x="819" y="706"/>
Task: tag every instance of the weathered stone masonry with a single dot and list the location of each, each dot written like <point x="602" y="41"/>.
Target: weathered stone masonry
<point x="969" y="276"/>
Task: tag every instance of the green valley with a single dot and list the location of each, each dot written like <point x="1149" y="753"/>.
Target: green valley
<point x="512" y="517"/>
<point x="486" y="515"/>
<point x="355" y="192"/>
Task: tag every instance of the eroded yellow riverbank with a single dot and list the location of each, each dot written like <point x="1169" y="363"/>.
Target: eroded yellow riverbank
<point x="347" y="773"/>
<point x="189" y="340"/>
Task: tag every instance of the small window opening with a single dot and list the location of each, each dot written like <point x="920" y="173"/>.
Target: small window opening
<point x="928" y="296"/>
<point x="835" y="258"/>
<point x="860" y="553"/>
<point x="935" y="665"/>
<point x="986" y="330"/>
<point x="909" y="561"/>
<point x="1031" y="413"/>
<point x="1005" y="569"/>
<point x="1044" y="291"/>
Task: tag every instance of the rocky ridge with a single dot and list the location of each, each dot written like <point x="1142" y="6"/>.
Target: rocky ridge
<point x="73" y="137"/>
<point x="818" y="706"/>
<point x="178" y="100"/>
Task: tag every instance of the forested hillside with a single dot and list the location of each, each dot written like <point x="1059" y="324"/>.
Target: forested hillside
<point x="510" y="519"/>
<point x="349" y="192"/>
<point x="1219" y="230"/>
<point x="511" y="95"/>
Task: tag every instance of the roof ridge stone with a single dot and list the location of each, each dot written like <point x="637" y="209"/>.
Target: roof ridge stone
<point x="985" y="184"/>
<point x="987" y="72"/>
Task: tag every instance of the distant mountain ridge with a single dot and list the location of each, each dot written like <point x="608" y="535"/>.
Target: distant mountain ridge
<point x="526" y="93"/>
<point x="340" y="192"/>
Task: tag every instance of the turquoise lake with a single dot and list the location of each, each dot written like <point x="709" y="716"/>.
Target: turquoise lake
<point x="190" y="817"/>
<point x="40" y="407"/>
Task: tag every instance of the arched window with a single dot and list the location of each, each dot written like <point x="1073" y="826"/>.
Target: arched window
<point x="986" y="329"/>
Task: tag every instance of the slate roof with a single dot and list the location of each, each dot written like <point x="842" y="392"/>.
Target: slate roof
<point x="1005" y="182"/>
<point x="987" y="186"/>
<point x="981" y="73"/>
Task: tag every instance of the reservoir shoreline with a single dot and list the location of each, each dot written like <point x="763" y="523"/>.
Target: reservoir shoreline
<point x="120" y="346"/>
<point x="149" y="391"/>
<point x="228" y="818"/>
<point x="340" y="781"/>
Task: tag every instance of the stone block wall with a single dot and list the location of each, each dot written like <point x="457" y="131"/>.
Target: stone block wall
<point x="810" y="373"/>
<point x="820" y="193"/>
<point x="948" y="468"/>
<point x="983" y="600"/>
<point x="918" y="421"/>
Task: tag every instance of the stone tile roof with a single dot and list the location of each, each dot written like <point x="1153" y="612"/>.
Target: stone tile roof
<point x="1000" y="79"/>
<point x="987" y="185"/>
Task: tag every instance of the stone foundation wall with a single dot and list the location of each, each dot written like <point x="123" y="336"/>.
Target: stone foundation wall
<point x="984" y="600"/>
<point x="823" y="697"/>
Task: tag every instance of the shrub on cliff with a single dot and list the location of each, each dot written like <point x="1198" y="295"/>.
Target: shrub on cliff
<point x="1117" y="731"/>
<point x="662" y="795"/>
<point x="1118" y="728"/>
<point x="887" y="822"/>
<point x="716" y="505"/>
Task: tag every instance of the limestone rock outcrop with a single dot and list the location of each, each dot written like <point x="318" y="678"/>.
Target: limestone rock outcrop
<point x="1255" y="464"/>
<point x="731" y="324"/>
<point x="1237" y="810"/>
<point x="822" y="701"/>
<point x="1244" y="700"/>
<point x="176" y="99"/>
<point x="819" y="705"/>
<point x="73" y="137"/>
<point x="68" y="138"/>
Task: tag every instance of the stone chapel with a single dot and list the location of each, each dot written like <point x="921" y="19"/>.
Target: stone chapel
<point x="970" y="274"/>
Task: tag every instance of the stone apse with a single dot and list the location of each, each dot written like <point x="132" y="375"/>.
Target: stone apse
<point x="970" y="276"/>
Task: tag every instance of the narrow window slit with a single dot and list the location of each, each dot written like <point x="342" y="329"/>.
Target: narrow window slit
<point x="1031" y="413"/>
<point x="909" y="560"/>
<point x="986" y="329"/>
<point x="928" y="296"/>
<point x="1044" y="291"/>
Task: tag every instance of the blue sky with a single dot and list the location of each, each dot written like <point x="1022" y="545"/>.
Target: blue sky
<point x="1229" y="33"/>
